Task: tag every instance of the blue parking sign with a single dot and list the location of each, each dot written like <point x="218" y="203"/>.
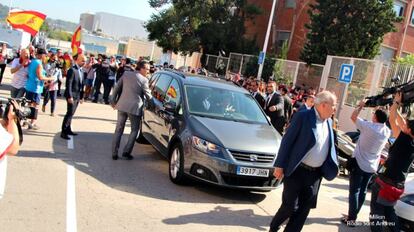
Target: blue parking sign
<point x="346" y="73"/>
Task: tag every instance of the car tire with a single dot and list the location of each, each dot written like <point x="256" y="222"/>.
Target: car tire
<point x="176" y="165"/>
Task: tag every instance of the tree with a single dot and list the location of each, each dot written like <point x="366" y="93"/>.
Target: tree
<point x="409" y="59"/>
<point x="213" y="27"/>
<point x="351" y="28"/>
<point x="280" y="75"/>
<point x="252" y="68"/>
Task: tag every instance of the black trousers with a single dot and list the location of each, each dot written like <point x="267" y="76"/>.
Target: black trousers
<point x="98" y="84"/>
<point x="67" y="120"/>
<point x="2" y="68"/>
<point x="279" y="124"/>
<point x="300" y="192"/>
<point x="108" y="84"/>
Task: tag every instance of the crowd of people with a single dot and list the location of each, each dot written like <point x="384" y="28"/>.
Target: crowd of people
<point x="304" y="118"/>
<point x="279" y="101"/>
<point x="302" y="167"/>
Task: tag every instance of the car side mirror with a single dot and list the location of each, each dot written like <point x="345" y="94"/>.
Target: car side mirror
<point x="170" y="107"/>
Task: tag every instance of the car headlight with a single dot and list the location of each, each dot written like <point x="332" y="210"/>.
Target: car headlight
<point x="408" y="199"/>
<point x="207" y="147"/>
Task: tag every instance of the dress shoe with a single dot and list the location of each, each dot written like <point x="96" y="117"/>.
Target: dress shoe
<point x="72" y="133"/>
<point x="114" y="157"/>
<point x="64" y="136"/>
<point x="127" y="156"/>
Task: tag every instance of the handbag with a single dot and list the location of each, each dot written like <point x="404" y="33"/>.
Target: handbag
<point x="388" y="191"/>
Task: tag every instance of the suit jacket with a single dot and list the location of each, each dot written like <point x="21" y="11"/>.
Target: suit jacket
<point x="74" y="84"/>
<point x="260" y="99"/>
<point x="287" y="103"/>
<point x="302" y="107"/>
<point x="129" y="93"/>
<point x="300" y="137"/>
<point x="277" y="118"/>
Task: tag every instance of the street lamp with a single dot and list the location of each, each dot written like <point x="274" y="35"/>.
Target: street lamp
<point x="263" y="53"/>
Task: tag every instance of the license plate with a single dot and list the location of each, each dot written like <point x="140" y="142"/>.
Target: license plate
<point x="244" y="171"/>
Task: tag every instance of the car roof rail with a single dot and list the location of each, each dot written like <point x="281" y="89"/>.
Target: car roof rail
<point x="175" y="72"/>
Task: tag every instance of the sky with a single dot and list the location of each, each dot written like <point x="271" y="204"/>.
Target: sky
<point x="70" y="10"/>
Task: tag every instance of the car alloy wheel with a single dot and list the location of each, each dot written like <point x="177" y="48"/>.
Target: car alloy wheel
<point x="176" y="165"/>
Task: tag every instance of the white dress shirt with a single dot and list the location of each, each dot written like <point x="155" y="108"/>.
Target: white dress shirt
<point x="319" y="152"/>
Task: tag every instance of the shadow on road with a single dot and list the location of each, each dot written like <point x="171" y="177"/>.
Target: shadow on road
<point x="224" y="216"/>
<point x="336" y="222"/>
<point x="146" y="174"/>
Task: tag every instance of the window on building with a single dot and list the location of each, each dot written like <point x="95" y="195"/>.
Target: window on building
<point x="281" y="38"/>
<point x="412" y="17"/>
<point x="290" y="3"/>
<point x="399" y="8"/>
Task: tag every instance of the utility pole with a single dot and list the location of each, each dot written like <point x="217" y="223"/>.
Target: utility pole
<point x="262" y="56"/>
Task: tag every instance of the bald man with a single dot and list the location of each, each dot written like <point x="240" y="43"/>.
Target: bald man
<point x="73" y="94"/>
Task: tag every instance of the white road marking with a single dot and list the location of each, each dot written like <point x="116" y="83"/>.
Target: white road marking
<point x="70" y="143"/>
<point x="3" y="175"/>
<point x="71" y="224"/>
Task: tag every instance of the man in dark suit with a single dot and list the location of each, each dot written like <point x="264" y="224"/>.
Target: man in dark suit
<point x="254" y="86"/>
<point x="307" y="153"/>
<point x="308" y="102"/>
<point x="73" y="94"/>
<point x="287" y="103"/>
<point x="274" y="107"/>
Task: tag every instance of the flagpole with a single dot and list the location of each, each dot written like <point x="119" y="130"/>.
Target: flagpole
<point x="10" y="7"/>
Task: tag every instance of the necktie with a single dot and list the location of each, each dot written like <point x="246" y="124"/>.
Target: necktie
<point x="268" y="99"/>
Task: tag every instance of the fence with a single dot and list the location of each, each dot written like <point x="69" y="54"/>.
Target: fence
<point x="292" y="71"/>
<point x="369" y="78"/>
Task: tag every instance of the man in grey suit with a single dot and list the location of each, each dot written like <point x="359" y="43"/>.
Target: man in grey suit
<point x="128" y="99"/>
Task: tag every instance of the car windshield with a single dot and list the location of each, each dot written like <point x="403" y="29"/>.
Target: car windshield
<point x="223" y="104"/>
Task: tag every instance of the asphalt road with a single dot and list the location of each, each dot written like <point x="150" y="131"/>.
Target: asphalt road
<point x="55" y="185"/>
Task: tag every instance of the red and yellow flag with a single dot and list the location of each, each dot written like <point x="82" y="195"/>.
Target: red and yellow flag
<point x="76" y="41"/>
<point x="29" y="21"/>
<point x="172" y="92"/>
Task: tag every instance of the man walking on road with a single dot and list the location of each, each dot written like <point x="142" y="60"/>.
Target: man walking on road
<point x="128" y="99"/>
<point x="73" y="95"/>
<point x="307" y="153"/>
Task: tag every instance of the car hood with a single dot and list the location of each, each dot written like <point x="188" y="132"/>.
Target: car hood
<point x="409" y="184"/>
<point x="238" y="136"/>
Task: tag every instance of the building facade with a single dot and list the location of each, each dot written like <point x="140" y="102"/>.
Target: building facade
<point x="115" y="26"/>
<point x="291" y="16"/>
<point x="86" y="21"/>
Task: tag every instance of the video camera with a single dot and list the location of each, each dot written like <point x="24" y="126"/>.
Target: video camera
<point x="24" y="111"/>
<point x="386" y="98"/>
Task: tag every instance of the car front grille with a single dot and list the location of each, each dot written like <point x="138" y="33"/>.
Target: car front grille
<point x="248" y="181"/>
<point x="253" y="158"/>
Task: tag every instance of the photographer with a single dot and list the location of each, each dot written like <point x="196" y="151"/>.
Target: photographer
<point x="9" y="134"/>
<point x="374" y="135"/>
<point x="389" y="186"/>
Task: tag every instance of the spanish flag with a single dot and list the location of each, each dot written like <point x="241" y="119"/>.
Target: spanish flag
<point x="76" y="41"/>
<point x="29" y="21"/>
<point x="172" y="92"/>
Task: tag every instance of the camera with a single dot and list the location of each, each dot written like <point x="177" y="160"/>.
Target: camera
<point x="386" y="98"/>
<point x="24" y="111"/>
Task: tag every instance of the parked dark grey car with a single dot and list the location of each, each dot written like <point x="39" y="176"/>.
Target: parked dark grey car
<point x="211" y="130"/>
